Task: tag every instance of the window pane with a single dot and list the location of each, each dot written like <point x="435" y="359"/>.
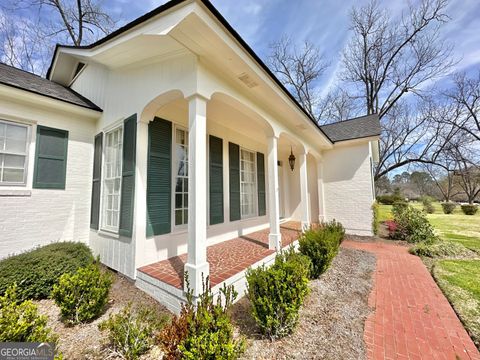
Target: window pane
<point x="14" y="161"/>
<point x="12" y="175"/>
<point x="178" y="217"/>
<point x="178" y="187"/>
<point x="178" y="201"/>
<point x="247" y="183"/>
<point x="181" y="174"/>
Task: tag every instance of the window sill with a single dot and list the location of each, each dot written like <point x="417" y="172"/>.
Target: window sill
<point x="108" y="233"/>
<point x="15" y="192"/>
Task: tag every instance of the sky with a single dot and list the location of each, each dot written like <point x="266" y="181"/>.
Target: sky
<point x="324" y="23"/>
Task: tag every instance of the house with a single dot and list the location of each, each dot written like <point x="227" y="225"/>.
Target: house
<point x="168" y="143"/>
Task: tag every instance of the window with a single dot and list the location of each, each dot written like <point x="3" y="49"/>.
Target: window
<point x="13" y="153"/>
<point x="112" y="179"/>
<point x="181" y="177"/>
<point x="247" y="184"/>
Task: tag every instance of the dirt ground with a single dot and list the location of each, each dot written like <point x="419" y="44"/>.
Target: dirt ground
<point x="86" y="341"/>
<point x="332" y="320"/>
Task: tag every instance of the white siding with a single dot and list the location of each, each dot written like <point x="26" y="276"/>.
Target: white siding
<point x="43" y="216"/>
<point x="348" y="187"/>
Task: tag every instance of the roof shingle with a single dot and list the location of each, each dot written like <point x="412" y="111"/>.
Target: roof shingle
<point x="357" y="128"/>
<point x="24" y="80"/>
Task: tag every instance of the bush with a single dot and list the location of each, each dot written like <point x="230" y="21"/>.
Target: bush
<point x="448" y="207"/>
<point x="83" y="295"/>
<point x="427" y="202"/>
<point x="389" y="199"/>
<point x="469" y="209"/>
<point x="131" y="333"/>
<point x="20" y="321"/>
<point x="412" y="225"/>
<point x="36" y="271"/>
<point x="375" y="218"/>
<point x="278" y="292"/>
<point x="203" y="330"/>
<point x="439" y="249"/>
<point x="321" y="246"/>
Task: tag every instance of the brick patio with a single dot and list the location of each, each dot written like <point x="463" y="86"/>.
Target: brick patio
<point x="412" y="319"/>
<point x="226" y="258"/>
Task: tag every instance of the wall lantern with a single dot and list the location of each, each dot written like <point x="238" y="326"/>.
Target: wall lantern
<point x="291" y="159"/>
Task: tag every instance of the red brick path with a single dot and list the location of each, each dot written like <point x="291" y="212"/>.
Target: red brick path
<point x="226" y="258"/>
<point x="412" y="318"/>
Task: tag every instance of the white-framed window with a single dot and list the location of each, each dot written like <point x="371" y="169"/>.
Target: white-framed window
<point x="180" y="173"/>
<point x="248" y="184"/>
<point x="112" y="179"/>
<point x="14" y="141"/>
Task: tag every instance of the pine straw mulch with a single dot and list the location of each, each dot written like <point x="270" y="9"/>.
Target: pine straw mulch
<point x="331" y="321"/>
<point x="86" y="341"/>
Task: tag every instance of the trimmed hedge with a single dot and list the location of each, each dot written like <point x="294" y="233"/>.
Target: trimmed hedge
<point x="36" y="271"/>
<point x="448" y="207"/>
<point x="321" y="245"/>
<point x="469" y="209"/>
<point x="389" y="199"/>
<point x="277" y="293"/>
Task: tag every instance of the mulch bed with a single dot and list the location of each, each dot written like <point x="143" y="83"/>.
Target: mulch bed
<point x="86" y="341"/>
<point x="332" y="320"/>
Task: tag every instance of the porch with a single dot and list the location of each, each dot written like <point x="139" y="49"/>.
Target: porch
<point x="228" y="262"/>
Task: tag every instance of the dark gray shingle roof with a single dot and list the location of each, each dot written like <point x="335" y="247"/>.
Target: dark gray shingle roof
<point x="24" y="80"/>
<point x="357" y="128"/>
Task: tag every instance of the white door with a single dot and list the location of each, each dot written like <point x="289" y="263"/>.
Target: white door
<point x="281" y="191"/>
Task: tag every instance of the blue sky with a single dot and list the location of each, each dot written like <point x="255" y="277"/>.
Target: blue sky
<point x="324" y="23"/>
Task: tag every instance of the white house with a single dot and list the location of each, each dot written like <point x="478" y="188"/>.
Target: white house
<point x="166" y="139"/>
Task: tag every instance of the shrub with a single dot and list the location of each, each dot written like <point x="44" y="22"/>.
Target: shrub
<point x="204" y="330"/>
<point x="36" y="271"/>
<point x="439" y="249"/>
<point x="448" y="207"/>
<point x="131" y="332"/>
<point x="469" y="209"/>
<point x="20" y="321"/>
<point x="334" y="227"/>
<point x="375" y="218"/>
<point x="277" y="293"/>
<point x="321" y="246"/>
<point x="83" y="295"/>
<point x="389" y="199"/>
<point x="412" y="225"/>
<point x="427" y="202"/>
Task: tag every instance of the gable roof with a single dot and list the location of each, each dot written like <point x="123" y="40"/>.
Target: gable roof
<point x="20" y="79"/>
<point x="357" y="128"/>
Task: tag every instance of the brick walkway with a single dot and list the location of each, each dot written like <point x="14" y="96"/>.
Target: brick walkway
<point x="226" y="258"/>
<point x="412" y="318"/>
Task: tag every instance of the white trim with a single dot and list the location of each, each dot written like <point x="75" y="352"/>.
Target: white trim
<point x="255" y="202"/>
<point x="26" y="168"/>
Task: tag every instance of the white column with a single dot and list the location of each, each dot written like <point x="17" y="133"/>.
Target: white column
<point x="275" y="237"/>
<point x="197" y="264"/>
<point x="140" y="207"/>
<point x="321" y="196"/>
<point x="304" y="192"/>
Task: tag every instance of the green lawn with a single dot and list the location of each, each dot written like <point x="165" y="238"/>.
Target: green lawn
<point x="459" y="280"/>
<point x="456" y="227"/>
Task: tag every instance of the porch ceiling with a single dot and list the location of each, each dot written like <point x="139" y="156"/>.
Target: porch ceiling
<point x="226" y="259"/>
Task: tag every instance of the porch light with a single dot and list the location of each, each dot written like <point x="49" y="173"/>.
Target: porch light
<point x="291" y="159"/>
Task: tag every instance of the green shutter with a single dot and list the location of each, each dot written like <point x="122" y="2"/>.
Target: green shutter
<point x="234" y="179"/>
<point x="216" y="180"/>
<point x="261" y="184"/>
<point x="128" y="176"/>
<point x="50" y="158"/>
<point x="159" y="177"/>
<point x="96" y="181"/>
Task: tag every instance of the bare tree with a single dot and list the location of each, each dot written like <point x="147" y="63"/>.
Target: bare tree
<point x="73" y="22"/>
<point x="337" y="105"/>
<point x="299" y="70"/>
<point x="467" y="172"/>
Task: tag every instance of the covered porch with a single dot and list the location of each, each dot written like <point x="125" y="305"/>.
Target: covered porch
<point x="228" y="260"/>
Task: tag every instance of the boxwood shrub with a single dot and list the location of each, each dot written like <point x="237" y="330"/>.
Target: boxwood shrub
<point x="36" y="271"/>
<point x="448" y="207"/>
<point x="321" y="245"/>
<point x="277" y="293"/>
<point x="469" y="209"/>
<point x="82" y="296"/>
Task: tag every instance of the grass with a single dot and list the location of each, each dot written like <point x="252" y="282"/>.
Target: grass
<point x="458" y="279"/>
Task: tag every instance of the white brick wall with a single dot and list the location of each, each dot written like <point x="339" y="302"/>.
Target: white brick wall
<point x="45" y="216"/>
<point x="348" y="187"/>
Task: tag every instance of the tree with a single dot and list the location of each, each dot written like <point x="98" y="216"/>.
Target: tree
<point x="385" y="61"/>
<point x="467" y="172"/>
<point x="75" y="22"/>
<point x="299" y="70"/>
